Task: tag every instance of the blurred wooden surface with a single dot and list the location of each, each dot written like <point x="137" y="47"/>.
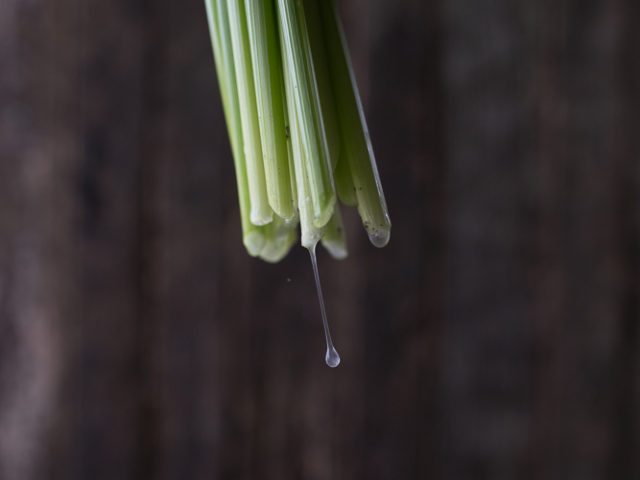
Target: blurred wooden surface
<point x="496" y="337"/>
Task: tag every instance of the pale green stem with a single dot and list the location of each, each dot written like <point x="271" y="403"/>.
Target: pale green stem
<point x="327" y="116"/>
<point x="252" y="236"/>
<point x="309" y="233"/>
<point x="355" y="135"/>
<point x="334" y="238"/>
<point x="261" y="212"/>
<point x="280" y="237"/>
<point x="267" y="76"/>
<point x="304" y="96"/>
<point x="342" y="176"/>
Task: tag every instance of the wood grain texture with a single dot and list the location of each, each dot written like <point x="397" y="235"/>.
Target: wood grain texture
<point x="496" y="337"/>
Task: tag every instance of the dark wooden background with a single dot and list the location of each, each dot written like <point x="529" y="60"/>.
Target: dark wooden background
<point x="496" y="337"/>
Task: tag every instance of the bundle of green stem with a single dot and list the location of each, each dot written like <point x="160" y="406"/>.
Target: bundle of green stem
<point x="296" y="125"/>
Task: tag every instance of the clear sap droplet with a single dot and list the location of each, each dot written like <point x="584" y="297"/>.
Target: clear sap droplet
<point x="332" y="357"/>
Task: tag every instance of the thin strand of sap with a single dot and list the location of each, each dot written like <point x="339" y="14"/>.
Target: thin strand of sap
<point x="332" y="358"/>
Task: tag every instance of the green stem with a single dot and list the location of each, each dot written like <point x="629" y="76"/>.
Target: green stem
<point x="280" y="236"/>
<point x="252" y="236"/>
<point x="309" y="233"/>
<point x="261" y="212"/>
<point x="355" y="135"/>
<point x="344" y="183"/>
<point x="304" y="96"/>
<point x="326" y="115"/>
<point x="267" y="76"/>
<point x="334" y="238"/>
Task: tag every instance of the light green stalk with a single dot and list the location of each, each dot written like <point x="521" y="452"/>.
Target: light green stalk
<point x="267" y="76"/>
<point x="342" y="176"/>
<point x="304" y="95"/>
<point x="280" y="236"/>
<point x="326" y="114"/>
<point x="261" y="212"/>
<point x="252" y="236"/>
<point x="355" y="135"/>
<point x="309" y="233"/>
<point x="334" y="239"/>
